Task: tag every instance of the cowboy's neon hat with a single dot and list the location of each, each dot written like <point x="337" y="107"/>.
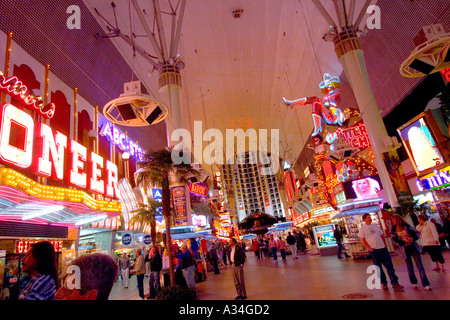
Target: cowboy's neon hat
<point x="327" y="79"/>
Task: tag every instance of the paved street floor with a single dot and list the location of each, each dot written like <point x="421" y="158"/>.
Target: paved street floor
<point x="310" y="277"/>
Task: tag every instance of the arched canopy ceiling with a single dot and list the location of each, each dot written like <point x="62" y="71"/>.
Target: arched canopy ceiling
<point x="237" y="69"/>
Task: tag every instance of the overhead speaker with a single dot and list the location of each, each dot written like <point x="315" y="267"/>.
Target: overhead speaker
<point x="347" y="153"/>
<point x="421" y="66"/>
<point x="154" y="115"/>
<point x="126" y="111"/>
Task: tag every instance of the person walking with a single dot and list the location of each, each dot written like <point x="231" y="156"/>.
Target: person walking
<point x="124" y="265"/>
<point x="372" y="237"/>
<point x="262" y="248"/>
<point x="40" y="263"/>
<point x="255" y="246"/>
<point x="406" y="236"/>
<point x="281" y="246"/>
<point x="301" y="242"/>
<point x="237" y="259"/>
<point x="291" y="241"/>
<point x="139" y="271"/>
<point x="440" y="231"/>
<point x="155" y="262"/>
<point x="273" y="247"/>
<point x="187" y="265"/>
<point x="339" y="238"/>
<point x="225" y="253"/>
<point x="429" y="238"/>
<point x="214" y="258"/>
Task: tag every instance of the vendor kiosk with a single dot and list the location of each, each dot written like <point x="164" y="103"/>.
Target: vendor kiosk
<point x="351" y="213"/>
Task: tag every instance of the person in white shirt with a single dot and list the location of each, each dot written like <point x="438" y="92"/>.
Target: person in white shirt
<point x="124" y="264"/>
<point x="372" y="237"/>
<point x="429" y="238"/>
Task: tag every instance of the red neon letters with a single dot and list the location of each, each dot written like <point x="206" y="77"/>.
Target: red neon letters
<point x="48" y="155"/>
<point x="15" y="87"/>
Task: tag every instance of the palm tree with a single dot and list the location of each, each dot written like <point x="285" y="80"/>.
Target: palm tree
<point x="157" y="170"/>
<point x="144" y="216"/>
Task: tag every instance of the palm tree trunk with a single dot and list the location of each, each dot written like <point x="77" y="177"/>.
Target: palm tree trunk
<point x="153" y="231"/>
<point x="166" y="212"/>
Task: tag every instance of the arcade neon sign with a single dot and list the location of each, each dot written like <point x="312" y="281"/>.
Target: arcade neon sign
<point x="24" y="144"/>
<point x="14" y="87"/>
<point x="117" y="137"/>
<point x="440" y="179"/>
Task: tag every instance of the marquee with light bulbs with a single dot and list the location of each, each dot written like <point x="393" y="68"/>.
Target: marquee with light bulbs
<point x="33" y="147"/>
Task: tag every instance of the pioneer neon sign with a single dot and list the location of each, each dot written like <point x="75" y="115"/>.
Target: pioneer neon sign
<point x="117" y="137"/>
<point x="25" y="144"/>
<point x="14" y="87"/>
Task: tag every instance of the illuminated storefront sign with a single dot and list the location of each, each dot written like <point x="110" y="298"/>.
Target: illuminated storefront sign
<point x="24" y="144"/>
<point x="117" y="137"/>
<point x="420" y="144"/>
<point x="22" y="246"/>
<point x="356" y="137"/>
<point x="439" y="179"/>
<point x="198" y="189"/>
<point x="323" y="210"/>
<point x="301" y="218"/>
<point x="179" y="205"/>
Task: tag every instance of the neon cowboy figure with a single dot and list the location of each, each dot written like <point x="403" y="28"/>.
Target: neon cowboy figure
<point x="326" y="108"/>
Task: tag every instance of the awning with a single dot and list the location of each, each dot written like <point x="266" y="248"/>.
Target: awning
<point x="356" y="211"/>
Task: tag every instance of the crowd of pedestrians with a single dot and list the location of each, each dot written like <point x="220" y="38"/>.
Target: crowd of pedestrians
<point x="98" y="272"/>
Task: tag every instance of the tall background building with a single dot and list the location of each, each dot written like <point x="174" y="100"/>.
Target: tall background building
<point x="252" y="191"/>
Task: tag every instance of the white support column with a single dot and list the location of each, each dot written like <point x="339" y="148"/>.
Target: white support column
<point x="351" y="56"/>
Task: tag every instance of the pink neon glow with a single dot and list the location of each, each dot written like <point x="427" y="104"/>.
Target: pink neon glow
<point x="54" y="145"/>
<point x="79" y="154"/>
<point x="16" y="88"/>
<point x="49" y="152"/>
<point x="112" y="188"/>
<point x="96" y="183"/>
<point x="18" y="157"/>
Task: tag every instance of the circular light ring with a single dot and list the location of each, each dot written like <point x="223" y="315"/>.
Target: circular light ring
<point x="434" y="50"/>
<point x="111" y="112"/>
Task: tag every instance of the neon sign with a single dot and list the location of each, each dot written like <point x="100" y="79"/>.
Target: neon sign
<point x="440" y="179"/>
<point x="117" y="137"/>
<point x="198" y="189"/>
<point x="325" y="108"/>
<point x="41" y="150"/>
<point x="15" y="87"/>
<point x="22" y="246"/>
<point x="356" y="137"/>
<point x="420" y="144"/>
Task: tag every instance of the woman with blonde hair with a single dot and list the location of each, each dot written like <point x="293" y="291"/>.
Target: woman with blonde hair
<point x="406" y="236"/>
<point x="430" y="241"/>
<point x="366" y="188"/>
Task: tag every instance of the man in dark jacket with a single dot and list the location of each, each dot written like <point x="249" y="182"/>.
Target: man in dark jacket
<point x="154" y="257"/>
<point x="237" y="258"/>
<point x="339" y="238"/>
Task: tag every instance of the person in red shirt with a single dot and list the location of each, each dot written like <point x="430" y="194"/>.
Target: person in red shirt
<point x="255" y="245"/>
<point x="281" y="244"/>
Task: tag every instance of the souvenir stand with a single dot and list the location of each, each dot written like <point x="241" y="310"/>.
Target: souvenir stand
<point x="351" y="213"/>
